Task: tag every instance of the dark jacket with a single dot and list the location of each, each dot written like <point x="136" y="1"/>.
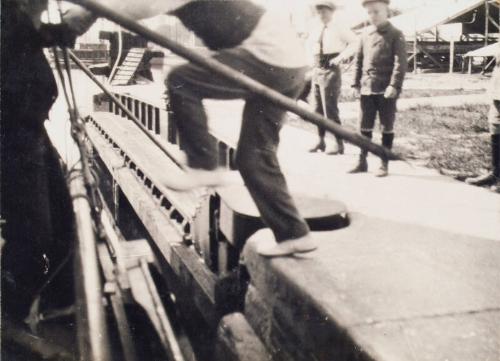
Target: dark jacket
<point x="221" y="24"/>
<point x="28" y="85"/>
<point x="381" y="60"/>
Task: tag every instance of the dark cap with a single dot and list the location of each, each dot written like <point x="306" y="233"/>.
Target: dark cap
<point x="366" y="2"/>
<point x="325" y="4"/>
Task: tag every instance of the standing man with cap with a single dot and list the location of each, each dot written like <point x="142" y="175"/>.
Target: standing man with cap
<point x="380" y="67"/>
<point x="493" y="178"/>
<point x="328" y="40"/>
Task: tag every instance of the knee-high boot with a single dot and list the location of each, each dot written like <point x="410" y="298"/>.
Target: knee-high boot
<point x="387" y="142"/>
<point x="493" y="176"/>
<point x="362" y="166"/>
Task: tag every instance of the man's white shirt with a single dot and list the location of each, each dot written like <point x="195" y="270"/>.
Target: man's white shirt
<point x="337" y="36"/>
<point x="273" y="41"/>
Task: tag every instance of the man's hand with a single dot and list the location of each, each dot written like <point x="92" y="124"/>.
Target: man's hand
<point x="78" y="19"/>
<point x="335" y="61"/>
<point x="391" y="92"/>
<point x="355" y="92"/>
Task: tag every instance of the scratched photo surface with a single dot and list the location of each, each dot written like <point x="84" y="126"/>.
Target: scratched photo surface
<point x="250" y="180"/>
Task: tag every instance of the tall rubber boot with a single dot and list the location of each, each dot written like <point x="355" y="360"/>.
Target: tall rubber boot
<point x="362" y="166"/>
<point x="492" y="177"/>
<point x="387" y="141"/>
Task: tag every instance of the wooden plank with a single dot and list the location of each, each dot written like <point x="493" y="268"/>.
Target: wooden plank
<point x="123" y="76"/>
<point x="125" y="72"/>
<point x="137" y="50"/>
<point x="128" y="67"/>
<point x="130" y="63"/>
<point x="156" y="166"/>
<point x="134" y="56"/>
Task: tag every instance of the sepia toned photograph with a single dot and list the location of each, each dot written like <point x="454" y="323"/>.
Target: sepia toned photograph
<point x="250" y="180"/>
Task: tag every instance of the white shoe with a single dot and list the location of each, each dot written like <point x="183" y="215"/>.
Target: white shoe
<point x="201" y="178"/>
<point x="304" y="244"/>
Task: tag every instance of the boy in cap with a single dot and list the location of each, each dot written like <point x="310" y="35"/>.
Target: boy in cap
<point x="380" y="68"/>
<point x="328" y="40"/>
<point x="493" y="178"/>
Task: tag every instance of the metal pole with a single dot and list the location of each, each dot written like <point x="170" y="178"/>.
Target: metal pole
<point x="452" y="55"/>
<point x="92" y="328"/>
<point x="122" y="107"/>
<point x="486" y="21"/>
<point x="239" y="78"/>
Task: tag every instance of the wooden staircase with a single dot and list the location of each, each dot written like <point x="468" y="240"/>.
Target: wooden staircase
<point x="126" y="72"/>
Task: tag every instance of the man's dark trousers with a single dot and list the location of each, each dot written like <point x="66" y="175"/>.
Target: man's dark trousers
<point x="330" y="80"/>
<point x="256" y="156"/>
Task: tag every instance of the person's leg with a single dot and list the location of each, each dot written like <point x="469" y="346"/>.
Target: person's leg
<point x="387" y="113"/>
<point x="333" y="89"/>
<point x="368" y="113"/>
<point x="27" y="230"/>
<point x="318" y="108"/>
<point x="187" y="86"/>
<point x="493" y="177"/>
<point x="257" y="161"/>
<point x="60" y="292"/>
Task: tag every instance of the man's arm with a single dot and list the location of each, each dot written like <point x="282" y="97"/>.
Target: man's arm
<point x="400" y="62"/>
<point x="80" y="20"/>
<point x="57" y="35"/>
<point x="358" y="64"/>
<point x="351" y="41"/>
<point x="143" y="9"/>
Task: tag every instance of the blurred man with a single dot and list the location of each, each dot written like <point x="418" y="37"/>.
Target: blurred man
<point x="329" y="39"/>
<point x="262" y="44"/>
<point x="493" y="177"/>
<point x="380" y="68"/>
<point x="35" y="202"/>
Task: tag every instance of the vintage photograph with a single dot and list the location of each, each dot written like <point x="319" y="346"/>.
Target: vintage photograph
<point x="250" y="180"/>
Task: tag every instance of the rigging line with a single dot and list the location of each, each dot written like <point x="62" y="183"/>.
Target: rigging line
<point x="68" y="68"/>
<point x="78" y="131"/>
<point x="60" y="74"/>
<point x="129" y="114"/>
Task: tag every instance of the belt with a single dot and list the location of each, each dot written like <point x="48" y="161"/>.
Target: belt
<point x="323" y="61"/>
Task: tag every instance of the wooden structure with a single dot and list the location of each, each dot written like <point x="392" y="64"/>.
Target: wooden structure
<point x="130" y="67"/>
<point x="487" y="53"/>
<point x="428" y="47"/>
<point x="479" y="21"/>
<point x="129" y="57"/>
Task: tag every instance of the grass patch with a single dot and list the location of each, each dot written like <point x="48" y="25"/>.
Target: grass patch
<point x="420" y="93"/>
<point x="454" y="140"/>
